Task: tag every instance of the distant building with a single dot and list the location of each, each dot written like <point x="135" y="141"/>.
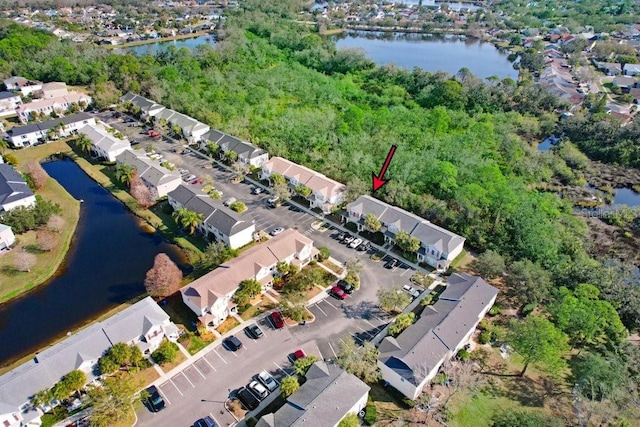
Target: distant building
<point x="103" y="143"/>
<point x="7" y="238"/>
<point x="24" y="136"/>
<point x="26" y="87"/>
<point x="328" y="395"/>
<point x="409" y="361"/>
<point x="247" y="153"/>
<point x="158" y="179"/>
<point x="54" y="90"/>
<point x="59" y="105"/>
<point x="9" y="101"/>
<point x="14" y="191"/>
<point x="631" y="69"/>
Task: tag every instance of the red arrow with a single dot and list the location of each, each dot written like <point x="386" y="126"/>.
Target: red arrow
<point x="378" y="180"/>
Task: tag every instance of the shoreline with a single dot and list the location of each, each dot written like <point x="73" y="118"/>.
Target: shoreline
<point x="158" y="40"/>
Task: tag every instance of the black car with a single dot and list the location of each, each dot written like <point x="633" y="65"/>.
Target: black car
<point x="154" y="400"/>
<point x="391" y="263"/>
<point x="364" y="246"/>
<point x="254" y="331"/>
<point x="205" y="422"/>
<point x="232" y="343"/>
<point x="247" y="399"/>
<point x="346" y="287"/>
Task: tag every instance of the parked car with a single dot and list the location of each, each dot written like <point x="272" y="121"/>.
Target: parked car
<point x="363" y="247"/>
<point x="247" y="399"/>
<point x="153" y="133"/>
<point x="273" y="200"/>
<point x="258" y="389"/>
<point x="205" y="422"/>
<point x="355" y="243"/>
<point x="346" y="287"/>
<point x="338" y="293"/>
<point x="229" y="201"/>
<point x="276" y="319"/>
<point x="348" y="239"/>
<point x="299" y="354"/>
<point x="189" y="178"/>
<point x="256" y="190"/>
<point x="391" y="263"/>
<point x="254" y="331"/>
<point x="267" y="380"/>
<point x="197" y="181"/>
<point x="184" y="171"/>
<point x="232" y="343"/>
<point x="276" y="231"/>
<point x="340" y="237"/>
<point x="154" y="400"/>
<point x="415" y="293"/>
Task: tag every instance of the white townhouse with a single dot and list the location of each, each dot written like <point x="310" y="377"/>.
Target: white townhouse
<point x="25" y="86"/>
<point x="27" y="135"/>
<point x="211" y="296"/>
<point x="58" y="105"/>
<point x="223" y="223"/>
<point x="54" y="90"/>
<point x="160" y="180"/>
<point x="148" y="108"/>
<point x="438" y="246"/>
<point x="7" y="238"/>
<point x="325" y="192"/>
<point x="247" y="153"/>
<point x="143" y="324"/>
<point x="103" y="143"/>
<point x="409" y="361"/>
<point x="9" y="101"/>
<point x="327" y="396"/>
<point x="14" y="190"/>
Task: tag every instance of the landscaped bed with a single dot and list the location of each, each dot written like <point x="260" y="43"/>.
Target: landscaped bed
<point x="265" y="304"/>
<point x="194" y="342"/>
<point x="230" y="323"/>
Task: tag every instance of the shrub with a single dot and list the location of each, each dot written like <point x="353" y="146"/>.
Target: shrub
<point x="484" y="325"/>
<point x="528" y="309"/>
<point x="323" y="253"/>
<point x="440" y="378"/>
<point x="165" y="353"/>
<point x="463" y="355"/>
<point x="495" y="310"/>
<point x="11" y="159"/>
<point x="370" y="414"/>
<point x="484" y="337"/>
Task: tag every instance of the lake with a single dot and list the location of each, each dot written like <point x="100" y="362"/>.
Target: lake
<point x="155" y="47"/>
<point x="431" y="52"/>
<point x="105" y="266"/>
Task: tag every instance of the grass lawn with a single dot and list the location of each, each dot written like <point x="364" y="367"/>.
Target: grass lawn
<point x="179" y="313"/>
<point x="460" y="261"/>
<point x="144" y="376"/>
<point x="264" y="305"/>
<point x="478" y="410"/>
<point x="166" y="367"/>
<point x="230" y="323"/>
<point x="194" y="343"/>
<point x="14" y="282"/>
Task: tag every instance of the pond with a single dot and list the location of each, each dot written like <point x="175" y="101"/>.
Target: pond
<point x="105" y="266"/>
<point x="155" y="47"/>
<point x="431" y="52"/>
<point x="626" y="196"/>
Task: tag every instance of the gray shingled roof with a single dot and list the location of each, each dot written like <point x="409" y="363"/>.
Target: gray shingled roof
<point x="149" y="170"/>
<point x="323" y="400"/>
<point x="12" y="186"/>
<point x="8" y="95"/>
<point x="45" y="126"/>
<point x="212" y="136"/>
<point x="440" y="328"/>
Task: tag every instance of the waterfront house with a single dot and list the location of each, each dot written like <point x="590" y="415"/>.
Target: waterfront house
<point x="210" y="297"/>
<point x="143" y="324"/>
<point x="103" y="143"/>
<point x="7" y="238"/>
<point x="14" y="191"/>
<point x="409" y="361"/>
<point x="325" y="192"/>
<point x="218" y="220"/>
<point x="247" y="153"/>
<point x="438" y="246"/>
<point x="157" y="178"/>
<point x="24" y="136"/>
<point x="327" y="396"/>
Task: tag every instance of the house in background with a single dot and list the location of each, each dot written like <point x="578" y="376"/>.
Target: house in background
<point x="103" y="143"/>
<point x="328" y="395"/>
<point x="14" y="190"/>
<point x="24" y="136"/>
<point x="158" y="179"/>
<point x="325" y="192"/>
<point x="631" y="69"/>
<point x="7" y="238"/>
<point x="210" y="296"/>
<point x="54" y="90"/>
<point x="247" y="153"/>
<point x="148" y="108"/>
<point x="9" y="101"/>
<point x="438" y="246"/>
<point x="26" y="87"/>
<point x="226" y="225"/>
<point x="409" y="361"/>
<point x="143" y="324"/>
<point x="59" y="105"/>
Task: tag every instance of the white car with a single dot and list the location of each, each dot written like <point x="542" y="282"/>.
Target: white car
<point x="258" y="389"/>
<point x="276" y="231"/>
<point x="229" y="201"/>
<point x="189" y="178"/>
<point x="267" y="380"/>
<point x="354" y="243"/>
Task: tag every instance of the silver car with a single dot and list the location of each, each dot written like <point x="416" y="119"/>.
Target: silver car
<point x="267" y="380"/>
<point x="258" y="389"/>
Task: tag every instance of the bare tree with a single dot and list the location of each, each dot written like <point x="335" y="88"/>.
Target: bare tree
<point x="55" y="223"/>
<point x="164" y="278"/>
<point x="23" y="260"/>
<point x="47" y="240"/>
<point x="461" y="376"/>
<point x="37" y="173"/>
<point x="141" y="192"/>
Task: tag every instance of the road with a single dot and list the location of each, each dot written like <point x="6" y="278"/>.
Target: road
<point x="201" y="389"/>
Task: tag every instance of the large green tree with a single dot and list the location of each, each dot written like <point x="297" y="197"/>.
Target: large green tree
<point x="113" y="401"/>
<point x="187" y="219"/>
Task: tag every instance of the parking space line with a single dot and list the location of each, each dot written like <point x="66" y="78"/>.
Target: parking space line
<point x="215" y="351"/>
<point x="194" y="365"/>
<point x="363" y="330"/>
<point x="234" y="353"/>
<point x="280" y="367"/>
<point x="321" y="310"/>
<point x="174" y="384"/>
<point x="187" y="378"/>
<point x="164" y="395"/>
<point x="357" y="338"/>
<point x="370" y="323"/>
<point x="332" y="350"/>
<point x="210" y="365"/>
<point x="330" y="304"/>
<point x="319" y="352"/>
<point x="404" y="272"/>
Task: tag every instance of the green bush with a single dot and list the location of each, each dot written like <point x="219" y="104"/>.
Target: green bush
<point x="165" y="353"/>
<point x="370" y="414"/>
<point x="440" y="378"/>
<point x="463" y="355"/>
<point x="484" y="325"/>
<point x="528" y="309"/>
<point x="495" y="310"/>
<point x="484" y="337"/>
<point x="323" y="253"/>
<point x="251" y="422"/>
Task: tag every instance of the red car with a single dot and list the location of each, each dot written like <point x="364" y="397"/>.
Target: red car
<point x="197" y="181"/>
<point x="277" y="320"/>
<point x="299" y="354"/>
<point x="152" y="133"/>
<point x="338" y="293"/>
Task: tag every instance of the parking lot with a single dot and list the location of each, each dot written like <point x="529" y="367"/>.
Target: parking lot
<point x="202" y="388"/>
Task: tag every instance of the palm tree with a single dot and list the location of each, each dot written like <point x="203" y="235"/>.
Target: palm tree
<point x="84" y="143"/>
<point x="124" y="173"/>
<point x="42" y="398"/>
<point x="3" y="146"/>
<point x="187" y="219"/>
